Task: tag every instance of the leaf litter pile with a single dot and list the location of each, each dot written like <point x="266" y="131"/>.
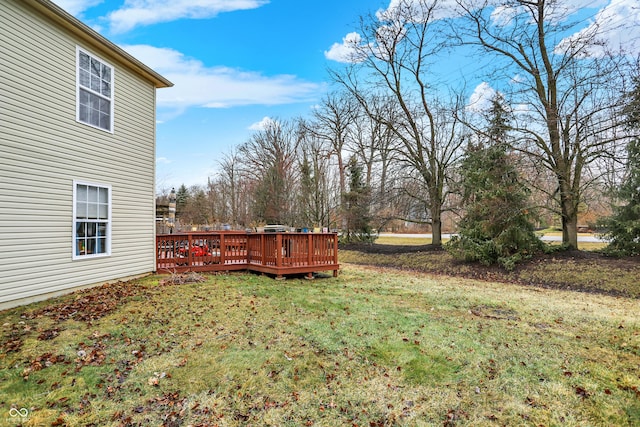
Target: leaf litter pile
<point x="369" y="348"/>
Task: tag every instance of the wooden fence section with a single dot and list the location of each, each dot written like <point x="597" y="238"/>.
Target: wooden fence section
<point x="272" y="253"/>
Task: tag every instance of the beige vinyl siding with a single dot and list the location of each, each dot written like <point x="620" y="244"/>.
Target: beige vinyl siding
<point x="44" y="149"/>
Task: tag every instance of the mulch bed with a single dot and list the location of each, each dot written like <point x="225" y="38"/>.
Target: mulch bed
<point x="496" y="273"/>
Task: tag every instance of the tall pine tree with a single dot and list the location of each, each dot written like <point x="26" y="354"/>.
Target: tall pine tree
<point x="356" y="204"/>
<point x="182" y="197"/>
<point x="496" y="227"/>
<point x="623" y="227"/>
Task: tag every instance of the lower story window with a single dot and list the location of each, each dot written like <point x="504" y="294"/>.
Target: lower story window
<point x="92" y="219"/>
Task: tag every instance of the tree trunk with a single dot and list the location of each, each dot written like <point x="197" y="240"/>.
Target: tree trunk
<point x="436" y="222"/>
<point x="569" y="224"/>
<point x="343" y="190"/>
<point x="569" y="208"/>
<point x="436" y="232"/>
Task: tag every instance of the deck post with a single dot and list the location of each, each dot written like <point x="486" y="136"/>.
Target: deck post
<point x="189" y="246"/>
<point x="223" y="249"/>
<point x="278" y="250"/>
<point x="335" y="253"/>
<point x="310" y="249"/>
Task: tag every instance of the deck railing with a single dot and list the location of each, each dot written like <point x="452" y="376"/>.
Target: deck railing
<point x="272" y="253"/>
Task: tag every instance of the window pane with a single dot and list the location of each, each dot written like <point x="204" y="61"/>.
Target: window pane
<point x="95" y="84"/>
<point x="103" y="195"/>
<point x="94" y="102"/>
<point x="81" y="229"/>
<point x="80" y="246"/>
<point x="84" y="78"/>
<point x="94" y="118"/>
<point x="95" y="67"/>
<point x="84" y="97"/>
<point x="92" y="211"/>
<point x="83" y="114"/>
<point x="106" y="73"/>
<point x="81" y="193"/>
<point x="106" y="81"/>
<point x="103" y="211"/>
<point x="101" y="246"/>
<point x="81" y="210"/>
<point x="104" y="105"/>
<point x="105" y="121"/>
<point x="106" y="89"/>
<point x="91" y="229"/>
<point x="91" y="246"/>
<point x="93" y="194"/>
<point x="84" y="61"/>
<point x="102" y="229"/>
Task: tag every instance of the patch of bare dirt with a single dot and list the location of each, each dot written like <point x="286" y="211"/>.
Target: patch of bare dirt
<point x="389" y="249"/>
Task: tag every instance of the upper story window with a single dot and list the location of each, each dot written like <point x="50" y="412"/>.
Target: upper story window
<point x="94" y="91"/>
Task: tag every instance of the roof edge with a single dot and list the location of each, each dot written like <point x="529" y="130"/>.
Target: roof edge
<point x="93" y="38"/>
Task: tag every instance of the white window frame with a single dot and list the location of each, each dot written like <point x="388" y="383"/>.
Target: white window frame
<point x="80" y="88"/>
<point x="77" y="251"/>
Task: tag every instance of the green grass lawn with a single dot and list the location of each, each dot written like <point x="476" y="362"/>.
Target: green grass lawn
<point x="398" y="240"/>
<point x="372" y="347"/>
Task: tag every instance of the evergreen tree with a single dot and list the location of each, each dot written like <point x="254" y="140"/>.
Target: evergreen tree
<point x="182" y="196"/>
<point x="623" y="227"/>
<point x="356" y="203"/>
<point x="307" y="190"/>
<point x="270" y="204"/>
<point x="496" y="227"/>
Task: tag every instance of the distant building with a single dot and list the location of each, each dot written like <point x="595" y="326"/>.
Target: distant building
<point x="77" y="155"/>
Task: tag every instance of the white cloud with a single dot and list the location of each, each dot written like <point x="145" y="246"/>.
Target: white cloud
<point x="480" y="99"/>
<point x="617" y="24"/>
<point x="394" y="17"/>
<point x="263" y="124"/>
<point x="76" y="7"/>
<point x="347" y="51"/>
<point x="163" y="160"/>
<point x="147" y="12"/>
<point x="483" y="95"/>
<point x="415" y="8"/>
<point x="196" y="85"/>
<point x="503" y="14"/>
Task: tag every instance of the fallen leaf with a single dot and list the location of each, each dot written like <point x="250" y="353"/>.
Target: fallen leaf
<point x="580" y="391"/>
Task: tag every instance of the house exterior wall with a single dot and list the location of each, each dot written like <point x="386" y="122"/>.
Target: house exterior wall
<point x="43" y="149"/>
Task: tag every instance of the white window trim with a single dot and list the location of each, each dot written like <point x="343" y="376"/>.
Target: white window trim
<point x="74" y="220"/>
<point x="112" y="100"/>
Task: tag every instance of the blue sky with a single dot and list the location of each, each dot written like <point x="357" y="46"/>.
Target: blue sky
<point x="231" y="69"/>
<point x="235" y="62"/>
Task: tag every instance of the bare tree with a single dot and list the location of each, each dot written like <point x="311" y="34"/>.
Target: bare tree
<point x="233" y="191"/>
<point x="330" y="122"/>
<point x="269" y="158"/>
<point x="315" y="178"/>
<point x="564" y="112"/>
<point x="376" y="148"/>
<point x="392" y="59"/>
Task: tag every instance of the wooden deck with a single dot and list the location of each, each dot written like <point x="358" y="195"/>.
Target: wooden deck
<point x="272" y="253"/>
